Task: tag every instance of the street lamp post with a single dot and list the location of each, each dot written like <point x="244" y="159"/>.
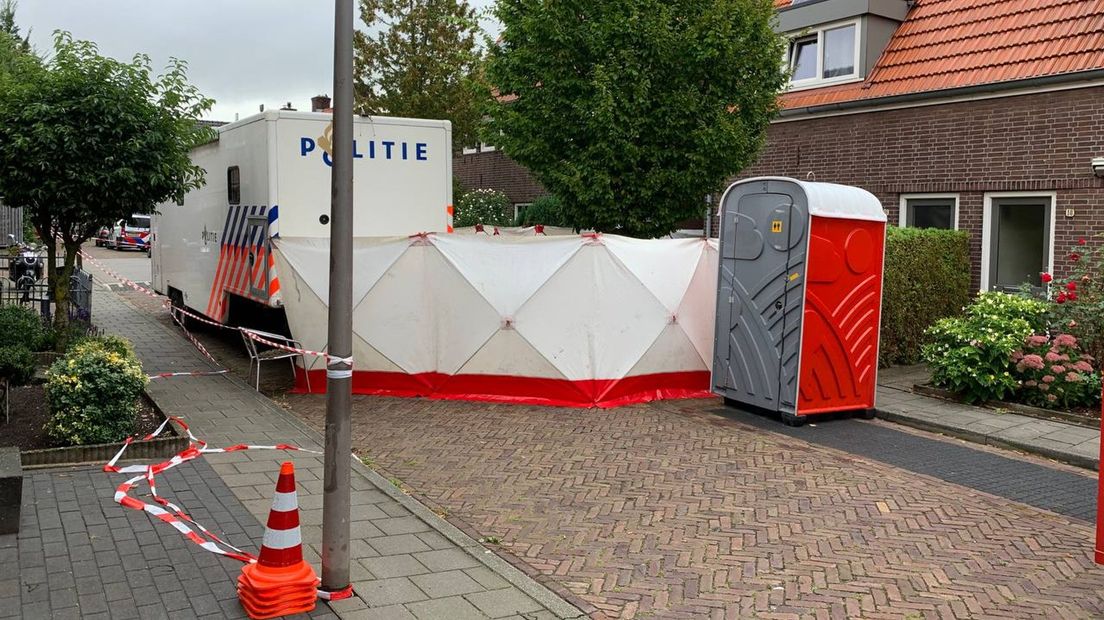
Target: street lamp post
<point x="339" y="368"/>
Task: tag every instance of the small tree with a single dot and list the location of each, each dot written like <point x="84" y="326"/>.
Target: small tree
<point x="423" y="63"/>
<point x="631" y="111"/>
<point x="89" y="140"/>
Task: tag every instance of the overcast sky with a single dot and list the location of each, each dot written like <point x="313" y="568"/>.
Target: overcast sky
<point x="242" y="53"/>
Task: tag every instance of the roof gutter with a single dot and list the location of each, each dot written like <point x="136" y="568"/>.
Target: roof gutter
<point x="1046" y="80"/>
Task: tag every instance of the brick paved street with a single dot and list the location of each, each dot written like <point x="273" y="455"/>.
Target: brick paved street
<point x="407" y="562"/>
<point x="670" y="510"/>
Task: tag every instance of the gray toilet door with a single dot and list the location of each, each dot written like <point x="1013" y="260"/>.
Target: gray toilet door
<point x="760" y="292"/>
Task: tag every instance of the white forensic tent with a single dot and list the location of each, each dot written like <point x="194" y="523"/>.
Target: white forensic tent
<point x="592" y="320"/>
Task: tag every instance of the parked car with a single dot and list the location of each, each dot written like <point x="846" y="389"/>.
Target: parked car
<point x="130" y="234"/>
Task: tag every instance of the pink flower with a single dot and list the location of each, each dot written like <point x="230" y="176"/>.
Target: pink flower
<point x="1051" y="398"/>
<point x="1065" y="340"/>
<point x="1048" y="378"/>
<point x="1044" y="386"/>
<point x="1073" y="377"/>
<point x="1056" y="369"/>
<point x="1031" y="383"/>
<point x="1033" y="361"/>
<point x="1036" y="340"/>
<point x="1082" y="366"/>
<point x="1051" y="356"/>
<point x="1017" y="356"/>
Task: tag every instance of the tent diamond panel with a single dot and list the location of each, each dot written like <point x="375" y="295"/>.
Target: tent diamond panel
<point x="593" y="319"/>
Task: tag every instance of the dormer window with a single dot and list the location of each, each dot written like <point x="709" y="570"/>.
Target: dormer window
<point x="828" y="54"/>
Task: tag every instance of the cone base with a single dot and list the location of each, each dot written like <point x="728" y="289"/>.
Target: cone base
<point x="270" y="592"/>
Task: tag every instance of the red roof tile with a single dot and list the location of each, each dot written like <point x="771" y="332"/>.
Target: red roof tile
<point x="946" y="44"/>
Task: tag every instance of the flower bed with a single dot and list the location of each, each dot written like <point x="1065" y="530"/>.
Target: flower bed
<point x="1026" y="350"/>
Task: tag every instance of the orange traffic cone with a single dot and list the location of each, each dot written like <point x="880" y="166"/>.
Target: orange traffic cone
<point x="280" y="583"/>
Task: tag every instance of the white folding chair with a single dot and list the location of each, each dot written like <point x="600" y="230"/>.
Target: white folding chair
<point x="256" y="357"/>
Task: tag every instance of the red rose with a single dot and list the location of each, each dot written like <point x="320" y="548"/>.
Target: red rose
<point x="1061" y="298"/>
<point x="1075" y="257"/>
<point x="1071" y="285"/>
<point x="1046" y="277"/>
<point x="1081" y="241"/>
<point x="1072" y="296"/>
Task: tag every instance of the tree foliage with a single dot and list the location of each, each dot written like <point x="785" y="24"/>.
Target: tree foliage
<point x="631" y="111"/>
<point x="422" y="63"/>
<point x="89" y="140"/>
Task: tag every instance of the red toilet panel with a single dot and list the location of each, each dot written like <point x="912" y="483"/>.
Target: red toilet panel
<point x="843" y="295"/>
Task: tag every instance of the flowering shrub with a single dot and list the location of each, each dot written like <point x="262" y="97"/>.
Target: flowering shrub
<point x="93" y="392"/>
<point x="483" y="206"/>
<point x="972" y="354"/>
<point x="1079" y="299"/>
<point x="1054" y="373"/>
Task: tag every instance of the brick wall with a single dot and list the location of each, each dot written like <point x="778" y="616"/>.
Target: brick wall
<point x="1040" y="142"/>
<point x="494" y="170"/>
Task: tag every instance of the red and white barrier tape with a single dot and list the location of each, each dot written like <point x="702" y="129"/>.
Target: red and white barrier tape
<point x="176" y="313"/>
<point x="168" y="512"/>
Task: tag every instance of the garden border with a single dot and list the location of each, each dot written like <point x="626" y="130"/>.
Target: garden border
<point x="998" y="405"/>
<point x="166" y="446"/>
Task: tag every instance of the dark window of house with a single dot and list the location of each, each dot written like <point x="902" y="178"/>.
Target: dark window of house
<point x="839" y="52"/>
<point x="233" y="185"/>
<point x="930" y="213"/>
<point x="803" y="58"/>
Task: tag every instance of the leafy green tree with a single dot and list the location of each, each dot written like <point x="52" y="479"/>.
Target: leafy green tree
<point x="89" y="140"/>
<point x="10" y="39"/>
<point x="424" y="62"/>
<point x="631" y="111"/>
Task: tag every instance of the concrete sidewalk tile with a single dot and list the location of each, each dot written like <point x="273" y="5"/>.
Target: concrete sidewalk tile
<point x="398" y="544"/>
<point x="487" y="578"/>
<point x="446" y="559"/>
<point x="381" y="592"/>
<point x="452" y="608"/>
<point x="391" y="612"/>
<point x="385" y="567"/>
<point x="501" y="603"/>
<point x="401" y="525"/>
<point x="448" y="583"/>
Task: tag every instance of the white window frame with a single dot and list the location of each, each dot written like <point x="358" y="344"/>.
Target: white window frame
<point x="469" y="150"/>
<point x="902" y="218"/>
<point x="818" y="81"/>
<point x="518" y="206"/>
<point x="987" y="228"/>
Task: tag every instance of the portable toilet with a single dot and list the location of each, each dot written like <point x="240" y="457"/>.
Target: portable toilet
<point x="799" y="297"/>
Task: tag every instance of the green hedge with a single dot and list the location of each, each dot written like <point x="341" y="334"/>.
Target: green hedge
<point x="927" y="277"/>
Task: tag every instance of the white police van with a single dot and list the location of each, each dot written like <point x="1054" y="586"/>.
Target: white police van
<point x="269" y="175"/>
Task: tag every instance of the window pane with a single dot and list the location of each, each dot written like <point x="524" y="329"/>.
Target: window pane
<point x="233" y="185"/>
<point x="839" y="51"/>
<point x="803" y="58"/>
<point x="1020" y="240"/>
<point x="931" y="214"/>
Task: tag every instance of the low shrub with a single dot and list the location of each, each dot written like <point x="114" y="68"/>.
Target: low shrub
<point x="547" y="210"/>
<point x="1054" y="373"/>
<point x="22" y="326"/>
<point x="93" y="392"/>
<point x="927" y="278"/>
<point x="17" y="364"/>
<point x="972" y="354"/>
<point x="482" y="206"/>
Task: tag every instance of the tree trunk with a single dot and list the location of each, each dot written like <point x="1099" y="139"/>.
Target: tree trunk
<point x="60" y="292"/>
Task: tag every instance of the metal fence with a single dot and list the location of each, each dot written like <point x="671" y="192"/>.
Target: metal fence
<point x="35" y="293"/>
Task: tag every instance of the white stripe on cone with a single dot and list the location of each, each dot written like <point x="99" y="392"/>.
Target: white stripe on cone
<point x="285" y="502"/>
<point x="282" y="539"/>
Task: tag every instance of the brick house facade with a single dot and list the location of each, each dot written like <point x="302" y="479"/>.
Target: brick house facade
<point x="1031" y="143"/>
